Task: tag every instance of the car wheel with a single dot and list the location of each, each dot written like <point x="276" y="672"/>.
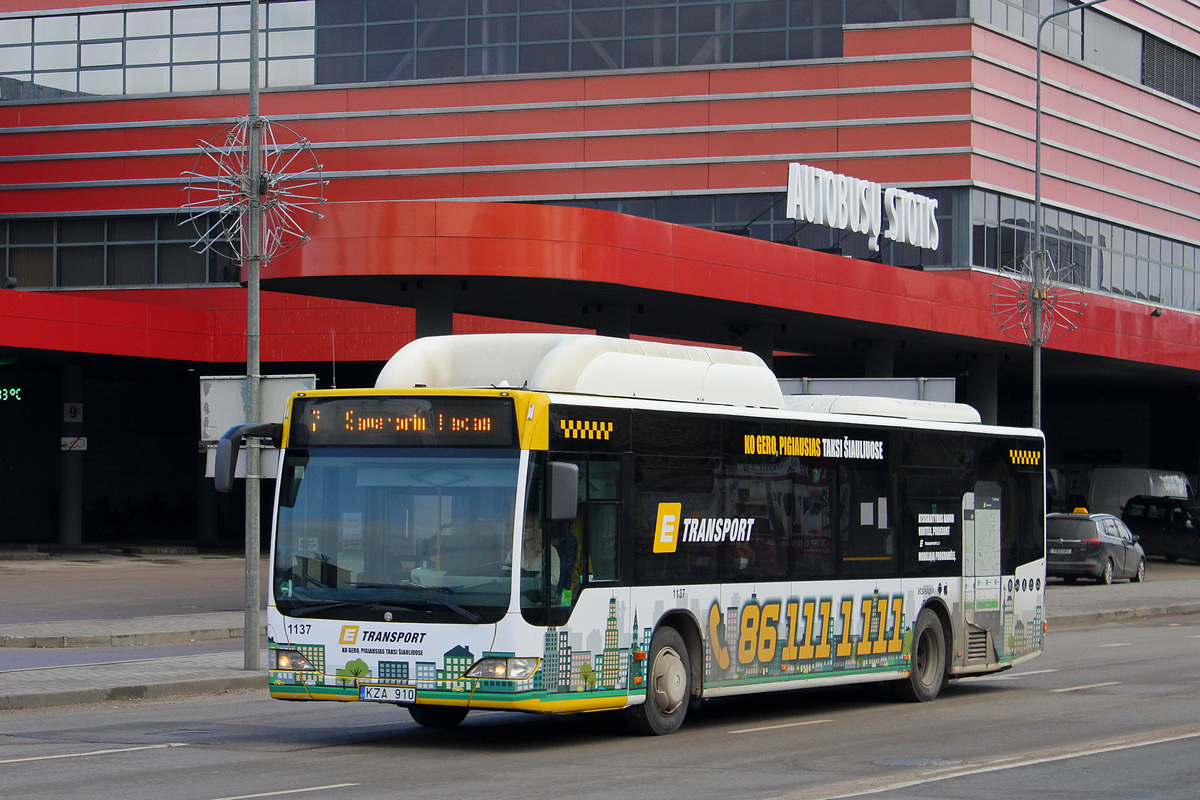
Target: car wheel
<point x="1106" y="575"/>
<point x="437" y="716"/>
<point x="1140" y="575"/>
<point x="668" y="685"/>
<point x="929" y="663"/>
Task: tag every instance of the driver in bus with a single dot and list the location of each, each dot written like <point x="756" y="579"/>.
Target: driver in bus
<point x="531" y="553"/>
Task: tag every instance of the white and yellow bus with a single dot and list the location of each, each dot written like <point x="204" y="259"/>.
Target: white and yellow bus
<point x="564" y="523"/>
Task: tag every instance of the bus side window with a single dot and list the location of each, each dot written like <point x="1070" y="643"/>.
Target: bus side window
<point x="602" y="541"/>
<point x="601" y="491"/>
<point x="867" y="543"/>
<point x="812" y="517"/>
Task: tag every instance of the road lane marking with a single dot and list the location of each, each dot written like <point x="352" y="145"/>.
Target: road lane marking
<point x="1012" y="676"/>
<point x="94" y="753"/>
<point x="878" y="786"/>
<point x="1085" y="686"/>
<point x="288" y="791"/>
<point x="1117" y="644"/>
<point x="783" y="725"/>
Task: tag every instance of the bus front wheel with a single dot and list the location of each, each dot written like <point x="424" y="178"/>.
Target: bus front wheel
<point x="437" y="716"/>
<point x="668" y="685"/>
<point x="928" y="661"/>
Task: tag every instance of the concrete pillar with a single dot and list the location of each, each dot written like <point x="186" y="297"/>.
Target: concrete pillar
<point x="878" y="359"/>
<point x="70" y="484"/>
<point x="760" y="340"/>
<point x="983" y="385"/>
<point x="612" y="319"/>
<point x="435" y="307"/>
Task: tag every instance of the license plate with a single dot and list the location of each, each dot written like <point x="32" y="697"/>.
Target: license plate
<point x="387" y="694"/>
<point x="1059" y="552"/>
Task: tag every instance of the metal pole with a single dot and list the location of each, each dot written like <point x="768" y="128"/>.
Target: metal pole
<point x="253" y="250"/>
<point x="1037" y="291"/>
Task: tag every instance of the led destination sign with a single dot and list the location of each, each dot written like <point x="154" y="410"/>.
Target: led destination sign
<point x="403" y="421"/>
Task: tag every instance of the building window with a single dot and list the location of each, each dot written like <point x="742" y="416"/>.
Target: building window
<point x="154" y="50"/>
<point x="1171" y="70"/>
<point x="79" y="252"/>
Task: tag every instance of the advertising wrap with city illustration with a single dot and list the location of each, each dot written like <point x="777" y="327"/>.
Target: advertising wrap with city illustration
<point x="757" y="635"/>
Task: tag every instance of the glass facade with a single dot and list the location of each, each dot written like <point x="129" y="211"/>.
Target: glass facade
<point x="76" y="252"/>
<point x="384" y="40"/>
<point x="1090" y="253"/>
<point x="195" y="48"/>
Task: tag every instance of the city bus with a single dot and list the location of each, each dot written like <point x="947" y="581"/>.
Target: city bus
<point x="572" y="523"/>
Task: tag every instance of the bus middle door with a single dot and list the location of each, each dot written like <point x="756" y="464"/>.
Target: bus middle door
<point x="981" y="573"/>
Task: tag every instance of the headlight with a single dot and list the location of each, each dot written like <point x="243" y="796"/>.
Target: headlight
<point x="289" y="661"/>
<point x="505" y="669"/>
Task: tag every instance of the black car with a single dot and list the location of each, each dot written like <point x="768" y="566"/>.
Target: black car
<point x="1166" y="526"/>
<point x="1098" y="546"/>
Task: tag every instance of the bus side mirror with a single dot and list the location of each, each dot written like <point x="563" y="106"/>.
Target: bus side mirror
<point x="563" y="494"/>
<point x="230" y="443"/>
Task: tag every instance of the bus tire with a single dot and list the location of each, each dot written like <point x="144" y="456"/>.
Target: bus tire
<point x="438" y="716"/>
<point x="929" y="660"/>
<point x="668" y="685"/>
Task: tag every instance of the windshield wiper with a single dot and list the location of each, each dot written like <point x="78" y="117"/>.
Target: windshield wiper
<point x="368" y="606"/>
<point x="428" y="592"/>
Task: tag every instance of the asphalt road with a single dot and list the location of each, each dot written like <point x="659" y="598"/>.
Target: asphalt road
<point x="1107" y="712"/>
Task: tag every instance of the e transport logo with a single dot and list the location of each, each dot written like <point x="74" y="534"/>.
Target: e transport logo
<point x="672" y="528"/>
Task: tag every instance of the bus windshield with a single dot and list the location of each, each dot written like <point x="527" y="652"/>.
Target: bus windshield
<point x="403" y="535"/>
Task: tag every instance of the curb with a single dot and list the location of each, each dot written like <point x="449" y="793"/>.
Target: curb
<point x="142" y="691"/>
<point x="7" y="555"/>
<point x="1122" y="615"/>
<point x="126" y="639"/>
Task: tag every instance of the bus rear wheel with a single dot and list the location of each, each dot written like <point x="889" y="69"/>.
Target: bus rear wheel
<point x="929" y="660"/>
<point x="668" y="686"/>
<point x="437" y="716"/>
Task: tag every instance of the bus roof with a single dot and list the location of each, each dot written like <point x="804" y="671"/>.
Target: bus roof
<point x="584" y="364"/>
<point x="602" y="366"/>
<point x="869" y="406"/>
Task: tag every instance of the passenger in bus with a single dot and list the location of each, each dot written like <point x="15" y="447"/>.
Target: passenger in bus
<point x="743" y="557"/>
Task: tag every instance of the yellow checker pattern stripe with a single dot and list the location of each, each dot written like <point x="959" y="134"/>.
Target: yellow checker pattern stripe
<point x="586" y="429"/>
<point x="1028" y="457"/>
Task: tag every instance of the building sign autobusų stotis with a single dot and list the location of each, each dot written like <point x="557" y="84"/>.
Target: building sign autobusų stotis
<point x="837" y="201"/>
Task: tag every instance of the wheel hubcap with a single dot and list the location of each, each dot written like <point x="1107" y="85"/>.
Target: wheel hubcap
<point x="669" y="680"/>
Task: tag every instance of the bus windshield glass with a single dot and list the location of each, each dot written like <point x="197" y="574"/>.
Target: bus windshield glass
<point x="403" y="535"/>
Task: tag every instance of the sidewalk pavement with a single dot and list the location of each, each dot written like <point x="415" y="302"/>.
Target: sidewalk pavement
<point x="1171" y="590"/>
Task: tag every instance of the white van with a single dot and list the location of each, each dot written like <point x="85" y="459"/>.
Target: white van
<point x="1113" y="486"/>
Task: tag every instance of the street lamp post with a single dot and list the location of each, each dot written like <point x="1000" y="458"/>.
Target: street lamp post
<point x="1038" y="288"/>
<point x="253" y="256"/>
